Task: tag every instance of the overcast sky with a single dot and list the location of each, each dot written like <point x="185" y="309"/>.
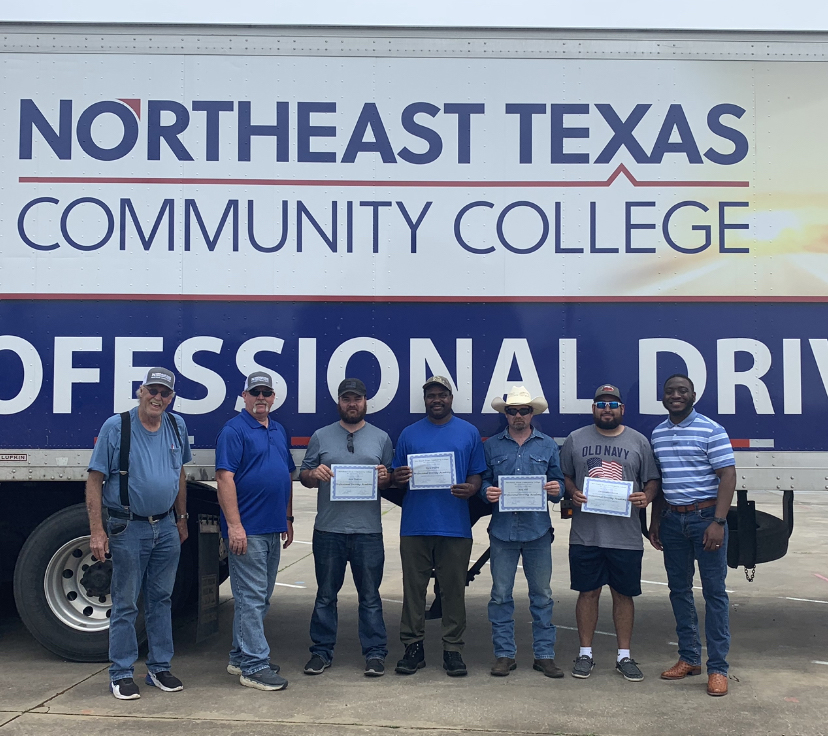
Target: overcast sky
<point x="706" y="14"/>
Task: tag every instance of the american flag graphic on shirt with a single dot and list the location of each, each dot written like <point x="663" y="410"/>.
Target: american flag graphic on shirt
<point x="606" y="469"/>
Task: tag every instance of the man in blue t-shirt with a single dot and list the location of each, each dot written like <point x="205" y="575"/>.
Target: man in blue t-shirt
<point x="253" y="467"/>
<point x="435" y="531"/>
<point x="146" y="526"/>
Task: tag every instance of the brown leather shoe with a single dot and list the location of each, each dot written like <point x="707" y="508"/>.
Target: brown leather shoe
<point x="717" y="684"/>
<point x="503" y="666"/>
<point x="547" y="666"/>
<point x="680" y="670"/>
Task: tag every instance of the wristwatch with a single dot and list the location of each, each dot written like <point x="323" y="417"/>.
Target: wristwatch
<point x="183" y="516"/>
<point x="719" y="520"/>
<point x="290" y="519"/>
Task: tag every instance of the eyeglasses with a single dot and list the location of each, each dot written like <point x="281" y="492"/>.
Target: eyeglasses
<point x="350" y="441"/>
<point x="266" y="392"/>
<point x="607" y="404"/>
<point x="165" y="392"/>
<point x="523" y="411"/>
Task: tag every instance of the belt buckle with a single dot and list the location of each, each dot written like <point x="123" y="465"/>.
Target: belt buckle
<point x="153" y="519"/>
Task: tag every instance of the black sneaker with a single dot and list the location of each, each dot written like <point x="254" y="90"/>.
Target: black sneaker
<point x="165" y="681"/>
<point x="629" y="669"/>
<point x="583" y="667"/>
<point x="413" y="659"/>
<point x="454" y="665"/>
<point x="125" y="689"/>
<point x="234" y="669"/>
<point x="374" y="667"/>
<point x="316" y="665"/>
<point x="264" y="680"/>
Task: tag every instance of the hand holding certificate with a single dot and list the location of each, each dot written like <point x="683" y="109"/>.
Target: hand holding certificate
<point x="522" y="493"/>
<point x="431" y="470"/>
<point x="354" y="483"/>
<point x="609" y="497"/>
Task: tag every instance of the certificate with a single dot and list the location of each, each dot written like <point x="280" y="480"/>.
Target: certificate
<point x="522" y="492"/>
<point x="354" y="483"/>
<point x="609" y="497"/>
<point x="431" y="470"/>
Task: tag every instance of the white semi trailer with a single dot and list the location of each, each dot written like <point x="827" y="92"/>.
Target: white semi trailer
<point x="555" y="208"/>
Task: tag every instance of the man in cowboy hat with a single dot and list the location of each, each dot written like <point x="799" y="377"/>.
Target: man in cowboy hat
<point x="604" y="549"/>
<point x="521" y="449"/>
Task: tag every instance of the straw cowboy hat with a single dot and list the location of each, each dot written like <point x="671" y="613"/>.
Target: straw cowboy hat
<point x="519" y="396"/>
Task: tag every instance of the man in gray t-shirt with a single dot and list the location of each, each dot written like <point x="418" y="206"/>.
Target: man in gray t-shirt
<point x="347" y="530"/>
<point x="607" y="549"/>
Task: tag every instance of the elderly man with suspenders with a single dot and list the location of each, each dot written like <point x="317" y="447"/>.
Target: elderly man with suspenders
<point x="136" y="472"/>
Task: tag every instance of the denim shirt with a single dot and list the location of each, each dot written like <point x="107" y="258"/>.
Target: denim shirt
<point x="539" y="455"/>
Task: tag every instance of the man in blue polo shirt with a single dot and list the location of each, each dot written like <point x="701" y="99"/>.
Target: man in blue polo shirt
<point x="435" y="531"/>
<point x="253" y="467"/>
<point x="521" y="449"/>
<point x="698" y="473"/>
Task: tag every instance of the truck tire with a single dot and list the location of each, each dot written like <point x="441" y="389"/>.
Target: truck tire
<point x="50" y="599"/>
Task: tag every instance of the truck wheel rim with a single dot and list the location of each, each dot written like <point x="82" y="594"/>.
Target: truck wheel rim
<point x="66" y="596"/>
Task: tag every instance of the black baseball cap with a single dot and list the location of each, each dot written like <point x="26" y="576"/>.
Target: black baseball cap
<point x="352" y="386"/>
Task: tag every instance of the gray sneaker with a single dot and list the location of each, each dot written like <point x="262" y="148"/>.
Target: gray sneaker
<point x="264" y="680"/>
<point x="583" y="667"/>
<point x="629" y="669"/>
<point x="234" y="669"/>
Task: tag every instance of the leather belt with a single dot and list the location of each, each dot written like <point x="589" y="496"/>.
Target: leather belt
<point x="117" y="514"/>
<point x="706" y="504"/>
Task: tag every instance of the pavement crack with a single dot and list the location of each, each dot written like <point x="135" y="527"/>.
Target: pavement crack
<point x="300" y="723"/>
<point x="45" y="703"/>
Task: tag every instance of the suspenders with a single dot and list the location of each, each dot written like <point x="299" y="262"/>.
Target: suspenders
<point x="126" y="439"/>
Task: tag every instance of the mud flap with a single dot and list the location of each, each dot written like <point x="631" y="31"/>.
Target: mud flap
<point x="208" y="576"/>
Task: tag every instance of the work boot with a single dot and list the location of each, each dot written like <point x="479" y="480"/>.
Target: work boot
<point x="454" y="665"/>
<point x="413" y="659"/>
<point x="503" y="666"/>
<point x="548" y="667"/>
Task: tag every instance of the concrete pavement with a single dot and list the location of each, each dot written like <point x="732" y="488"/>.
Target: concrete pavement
<point x="778" y="679"/>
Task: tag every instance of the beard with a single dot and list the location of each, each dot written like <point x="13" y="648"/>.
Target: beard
<point x="608" y="423"/>
<point x="354" y="417"/>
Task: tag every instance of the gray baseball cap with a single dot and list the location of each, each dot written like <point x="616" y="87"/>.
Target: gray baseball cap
<point x="258" y="379"/>
<point x="160" y="376"/>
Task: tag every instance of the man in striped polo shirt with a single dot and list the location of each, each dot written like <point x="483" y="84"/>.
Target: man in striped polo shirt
<point x="698" y="474"/>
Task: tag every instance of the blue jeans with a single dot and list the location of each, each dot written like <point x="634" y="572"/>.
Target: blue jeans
<point x="252" y="577"/>
<point x="681" y="536"/>
<point x="331" y="552"/>
<point x="537" y="567"/>
<point x="144" y="560"/>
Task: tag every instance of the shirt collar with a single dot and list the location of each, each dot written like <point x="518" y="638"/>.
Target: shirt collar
<point x="687" y="421"/>
<point x="504" y="435"/>
<point x="252" y="421"/>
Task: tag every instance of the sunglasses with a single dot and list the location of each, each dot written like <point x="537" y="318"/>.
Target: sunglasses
<point x="266" y="392"/>
<point x="165" y="392"/>
<point x="523" y="411"/>
<point x="607" y="404"/>
<point x="350" y="441"/>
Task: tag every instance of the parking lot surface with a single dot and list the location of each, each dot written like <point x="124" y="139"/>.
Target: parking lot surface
<point x="778" y="677"/>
